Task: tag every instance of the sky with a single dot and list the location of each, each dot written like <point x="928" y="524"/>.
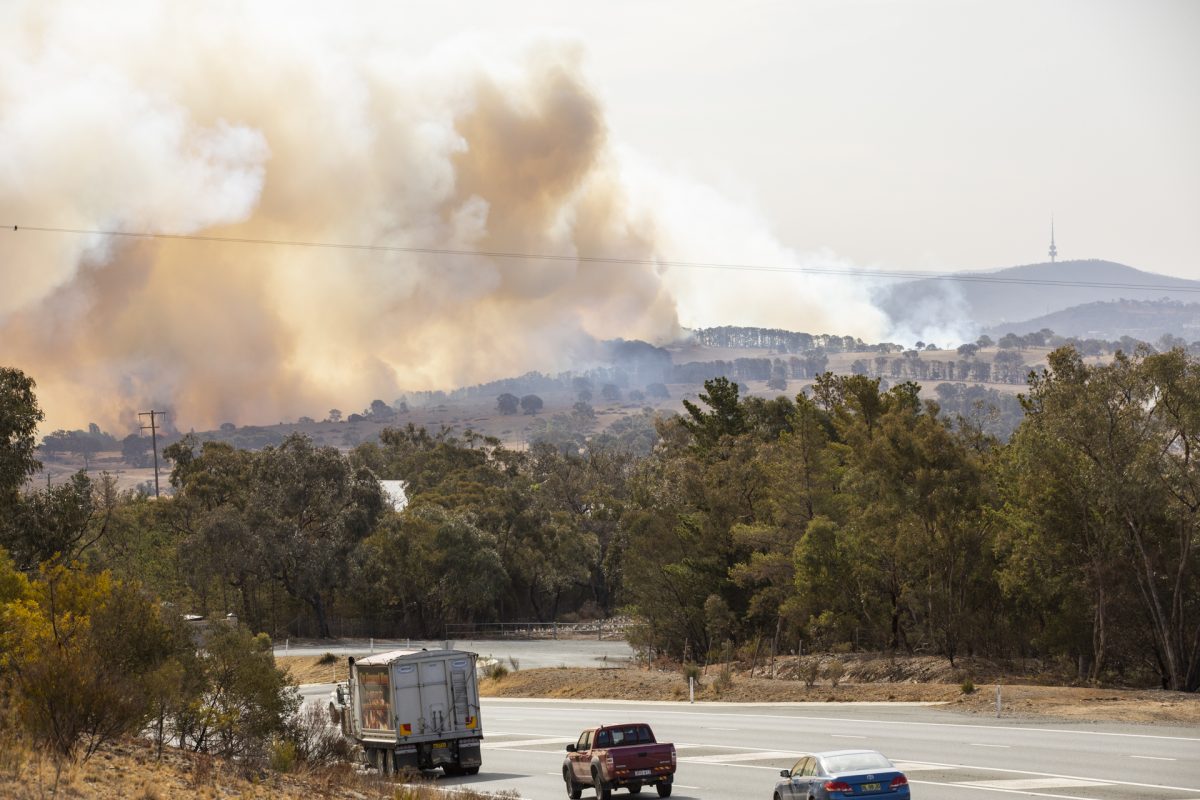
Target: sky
<point x="842" y="137"/>
<point x="920" y="135"/>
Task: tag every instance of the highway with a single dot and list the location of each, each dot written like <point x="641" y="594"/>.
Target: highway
<point x="732" y="751"/>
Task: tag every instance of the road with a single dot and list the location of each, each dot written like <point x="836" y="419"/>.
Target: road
<point x="730" y="752"/>
<point x="528" y="653"/>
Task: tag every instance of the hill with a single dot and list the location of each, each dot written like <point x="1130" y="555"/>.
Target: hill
<point x="991" y="299"/>
<point x="1147" y="320"/>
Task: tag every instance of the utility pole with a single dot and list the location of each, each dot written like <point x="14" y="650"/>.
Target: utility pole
<point x="154" y="441"/>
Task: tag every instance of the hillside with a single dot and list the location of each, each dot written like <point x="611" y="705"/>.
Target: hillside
<point x="1147" y="320"/>
<point x="990" y="299"/>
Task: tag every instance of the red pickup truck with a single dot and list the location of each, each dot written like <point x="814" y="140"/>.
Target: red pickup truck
<point x="618" y="757"/>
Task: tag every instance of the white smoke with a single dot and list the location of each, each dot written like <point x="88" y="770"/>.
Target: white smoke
<point x="264" y="121"/>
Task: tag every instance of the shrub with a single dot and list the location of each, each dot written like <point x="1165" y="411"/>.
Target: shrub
<point x="692" y="672"/>
<point x="724" y="679"/>
<point x="834" y="671"/>
<point x="283" y="756"/>
<point x="967" y="686"/>
<point x="496" y="671"/>
<point x="327" y="659"/>
<point x="810" y="670"/>
<point x="514" y="663"/>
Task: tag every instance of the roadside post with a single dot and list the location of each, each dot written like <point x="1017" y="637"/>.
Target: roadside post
<point x="691" y="689"/>
<point x="997" y="701"/>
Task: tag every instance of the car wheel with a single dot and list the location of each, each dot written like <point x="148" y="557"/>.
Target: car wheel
<point x="574" y="790"/>
<point x="664" y="790"/>
<point x="602" y="790"/>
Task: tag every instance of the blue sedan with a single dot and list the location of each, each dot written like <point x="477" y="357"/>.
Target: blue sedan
<point x="841" y="774"/>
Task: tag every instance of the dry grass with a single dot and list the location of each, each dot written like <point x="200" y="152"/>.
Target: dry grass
<point x="129" y="771"/>
<point x="1018" y="700"/>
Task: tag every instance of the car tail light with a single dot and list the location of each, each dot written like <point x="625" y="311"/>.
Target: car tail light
<point x="899" y="781"/>
<point x="838" y="786"/>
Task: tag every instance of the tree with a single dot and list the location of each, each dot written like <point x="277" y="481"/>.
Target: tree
<point x="984" y="342"/>
<point x="243" y="699"/>
<point x="610" y="392"/>
<point x="531" y="404"/>
<point x="335" y="415"/>
<point x="80" y="648"/>
<point x="380" y="412"/>
<point x="64" y="520"/>
<point x="19" y="418"/>
<point x="507" y="403"/>
<point x="725" y="416"/>
<point x="310" y="508"/>
<point x="968" y="350"/>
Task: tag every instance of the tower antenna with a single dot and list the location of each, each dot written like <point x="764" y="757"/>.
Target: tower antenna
<point x="1053" y="249"/>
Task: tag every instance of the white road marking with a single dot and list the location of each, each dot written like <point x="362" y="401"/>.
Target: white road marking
<point x="1032" y="783"/>
<point x="729" y="758"/>
<point x="1004" y="746"/>
<point x="1154" y="758"/>
<point x="523" y="743"/>
<point x="845" y="736"/>
<point x="1005" y="791"/>
<point x="912" y="766"/>
<point x="711" y="728"/>
<point x="1109" y="781"/>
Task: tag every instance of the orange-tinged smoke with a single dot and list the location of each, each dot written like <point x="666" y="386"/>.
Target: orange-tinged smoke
<point x="220" y="122"/>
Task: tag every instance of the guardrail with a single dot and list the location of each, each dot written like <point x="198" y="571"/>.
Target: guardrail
<point x="598" y="629"/>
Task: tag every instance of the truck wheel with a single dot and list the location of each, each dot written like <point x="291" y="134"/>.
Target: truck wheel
<point x="635" y="788"/>
<point x="602" y="790"/>
<point x="574" y="790"/>
<point x="471" y="771"/>
<point x="664" y="789"/>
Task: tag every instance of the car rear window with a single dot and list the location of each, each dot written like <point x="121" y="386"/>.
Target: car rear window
<point x="631" y="734"/>
<point x="854" y="762"/>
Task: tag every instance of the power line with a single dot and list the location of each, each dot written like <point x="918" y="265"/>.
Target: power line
<point x="649" y="262"/>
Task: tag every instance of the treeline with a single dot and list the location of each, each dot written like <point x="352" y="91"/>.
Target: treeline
<point x="89" y="652"/>
<point x="854" y="515"/>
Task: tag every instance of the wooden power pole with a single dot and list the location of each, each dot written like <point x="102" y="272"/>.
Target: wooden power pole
<point x="153" y="440"/>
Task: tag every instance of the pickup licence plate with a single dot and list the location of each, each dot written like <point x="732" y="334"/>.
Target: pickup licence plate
<point x="870" y="787"/>
<point x="439" y="745"/>
<point x="640" y="772"/>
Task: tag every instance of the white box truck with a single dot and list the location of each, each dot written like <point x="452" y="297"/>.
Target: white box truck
<point x="415" y="709"/>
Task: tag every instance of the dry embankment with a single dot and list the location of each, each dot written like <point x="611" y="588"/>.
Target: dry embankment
<point x="878" y="680"/>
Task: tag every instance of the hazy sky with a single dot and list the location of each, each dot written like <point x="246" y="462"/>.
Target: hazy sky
<point x="922" y="134"/>
<point x="841" y="135"/>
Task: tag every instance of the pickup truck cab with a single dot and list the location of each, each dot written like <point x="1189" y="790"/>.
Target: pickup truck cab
<point x="618" y="757"/>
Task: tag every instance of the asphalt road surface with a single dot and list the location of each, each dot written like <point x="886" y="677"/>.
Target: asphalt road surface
<point x="729" y="752"/>
<point x="733" y="751"/>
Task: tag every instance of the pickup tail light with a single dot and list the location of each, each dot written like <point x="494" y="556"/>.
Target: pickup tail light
<point x="673" y="755"/>
<point x="898" y="781"/>
<point x="838" y="786"/>
<point x="608" y="759"/>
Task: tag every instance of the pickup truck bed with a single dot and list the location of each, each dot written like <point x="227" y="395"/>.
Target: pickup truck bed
<point x="619" y="757"/>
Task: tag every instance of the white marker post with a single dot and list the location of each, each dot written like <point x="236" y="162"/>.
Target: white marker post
<point x="997" y="701"/>
<point x="691" y="689"/>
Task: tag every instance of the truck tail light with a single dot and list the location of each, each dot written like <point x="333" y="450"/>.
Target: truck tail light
<point x="838" y="786"/>
<point x="898" y="781"/>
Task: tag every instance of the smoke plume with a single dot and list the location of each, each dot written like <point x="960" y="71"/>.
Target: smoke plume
<point x="219" y="120"/>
